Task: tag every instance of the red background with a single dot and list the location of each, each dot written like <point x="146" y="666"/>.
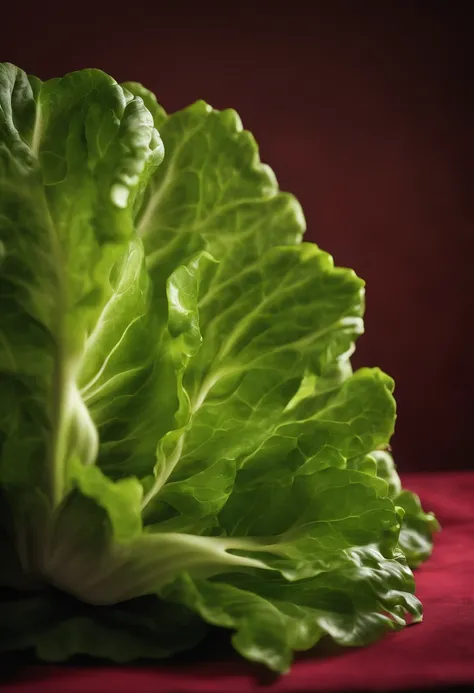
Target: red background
<point x="361" y="109"/>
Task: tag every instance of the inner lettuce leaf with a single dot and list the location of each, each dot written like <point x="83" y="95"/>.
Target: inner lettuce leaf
<point x="183" y="442"/>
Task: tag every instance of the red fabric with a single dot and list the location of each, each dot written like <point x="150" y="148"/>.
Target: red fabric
<point x="438" y="652"/>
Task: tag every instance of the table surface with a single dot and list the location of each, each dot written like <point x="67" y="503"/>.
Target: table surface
<point x="436" y="653"/>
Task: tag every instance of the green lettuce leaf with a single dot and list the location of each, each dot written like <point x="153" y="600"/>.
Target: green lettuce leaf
<point x="250" y="365"/>
<point x="67" y="176"/>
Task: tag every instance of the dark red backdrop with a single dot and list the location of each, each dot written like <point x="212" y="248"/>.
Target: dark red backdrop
<point x="361" y="109"/>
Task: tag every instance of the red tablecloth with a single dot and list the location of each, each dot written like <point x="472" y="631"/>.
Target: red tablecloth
<point x="438" y="652"/>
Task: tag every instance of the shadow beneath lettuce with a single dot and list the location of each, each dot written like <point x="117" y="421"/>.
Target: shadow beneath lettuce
<point x="24" y="616"/>
<point x="209" y="652"/>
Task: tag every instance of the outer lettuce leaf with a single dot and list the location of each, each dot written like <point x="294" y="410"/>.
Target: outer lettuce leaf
<point x="73" y="151"/>
<point x="66" y="179"/>
<point x="250" y="365"/>
<point x="355" y="605"/>
<point x="211" y="180"/>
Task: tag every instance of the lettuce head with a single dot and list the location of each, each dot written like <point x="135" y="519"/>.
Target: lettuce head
<point x="183" y="442"/>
